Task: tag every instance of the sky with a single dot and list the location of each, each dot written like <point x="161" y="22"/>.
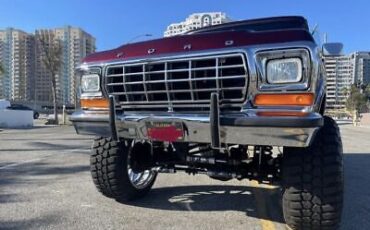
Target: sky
<point x="115" y="22"/>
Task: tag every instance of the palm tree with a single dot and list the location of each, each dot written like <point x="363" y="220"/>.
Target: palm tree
<point x="52" y="60"/>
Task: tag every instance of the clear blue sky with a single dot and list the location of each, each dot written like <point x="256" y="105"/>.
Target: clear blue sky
<point x="114" y="22"/>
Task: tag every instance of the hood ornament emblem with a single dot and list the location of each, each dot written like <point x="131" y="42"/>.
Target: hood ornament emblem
<point x="150" y="51"/>
<point x="119" y="55"/>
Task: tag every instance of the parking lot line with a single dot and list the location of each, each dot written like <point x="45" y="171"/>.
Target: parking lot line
<point x="261" y="206"/>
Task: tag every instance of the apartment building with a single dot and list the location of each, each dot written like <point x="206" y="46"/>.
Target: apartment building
<point x="342" y="71"/>
<point x="76" y="44"/>
<point x="195" y="21"/>
<point x="361" y="63"/>
<point x="339" y="78"/>
<point x="26" y="78"/>
<point x="16" y="57"/>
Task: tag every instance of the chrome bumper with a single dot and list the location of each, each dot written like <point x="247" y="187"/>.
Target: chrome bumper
<point x="235" y="128"/>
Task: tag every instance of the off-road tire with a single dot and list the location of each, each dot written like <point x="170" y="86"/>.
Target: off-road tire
<point x="313" y="181"/>
<point x="108" y="166"/>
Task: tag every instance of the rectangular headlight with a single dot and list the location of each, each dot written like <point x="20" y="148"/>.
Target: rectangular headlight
<point x="90" y="83"/>
<point x="285" y="70"/>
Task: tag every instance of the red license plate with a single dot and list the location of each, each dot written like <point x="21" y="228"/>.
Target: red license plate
<point x="165" y="131"/>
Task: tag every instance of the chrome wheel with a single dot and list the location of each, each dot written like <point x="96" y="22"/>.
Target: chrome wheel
<point x="139" y="179"/>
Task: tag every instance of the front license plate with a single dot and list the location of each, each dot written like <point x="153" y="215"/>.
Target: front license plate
<point x="165" y="131"/>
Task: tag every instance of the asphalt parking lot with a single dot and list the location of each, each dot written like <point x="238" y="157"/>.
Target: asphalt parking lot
<point x="45" y="184"/>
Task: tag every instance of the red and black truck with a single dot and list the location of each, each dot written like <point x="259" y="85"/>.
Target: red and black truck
<point x="241" y="100"/>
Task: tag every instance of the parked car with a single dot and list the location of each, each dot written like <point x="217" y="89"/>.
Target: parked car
<point x="23" y="107"/>
<point x="219" y="101"/>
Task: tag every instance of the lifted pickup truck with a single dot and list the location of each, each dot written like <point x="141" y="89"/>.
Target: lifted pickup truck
<point x="241" y="100"/>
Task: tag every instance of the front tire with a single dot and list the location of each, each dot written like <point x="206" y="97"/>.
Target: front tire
<point x="112" y="173"/>
<point x="313" y="181"/>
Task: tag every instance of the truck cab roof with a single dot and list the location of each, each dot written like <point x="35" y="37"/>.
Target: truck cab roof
<point x="257" y="25"/>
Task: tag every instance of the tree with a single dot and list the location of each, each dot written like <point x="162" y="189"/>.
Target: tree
<point x="345" y="91"/>
<point x="2" y="71"/>
<point x="367" y="91"/>
<point x="356" y="101"/>
<point x="52" y="60"/>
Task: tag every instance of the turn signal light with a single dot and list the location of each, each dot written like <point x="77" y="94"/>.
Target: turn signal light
<point x="95" y="103"/>
<point x="298" y="99"/>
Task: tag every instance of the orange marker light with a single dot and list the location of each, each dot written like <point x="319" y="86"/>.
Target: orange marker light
<point x="297" y="99"/>
<point x="96" y="103"/>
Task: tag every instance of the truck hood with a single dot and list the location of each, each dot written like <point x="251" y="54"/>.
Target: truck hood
<point x="197" y="42"/>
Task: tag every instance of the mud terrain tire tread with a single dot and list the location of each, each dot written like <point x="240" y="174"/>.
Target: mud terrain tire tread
<point x="313" y="181"/>
<point x="108" y="166"/>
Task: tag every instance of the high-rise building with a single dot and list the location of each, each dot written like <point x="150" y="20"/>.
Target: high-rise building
<point x="76" y="44"/>
<point x="26" y="78"/>
<point x="339" y="78"/>
<point x="195" y="21"/>
<point x="342" y="71"/>
<point x="17" y="59"/>
<point x="361" y="70"/>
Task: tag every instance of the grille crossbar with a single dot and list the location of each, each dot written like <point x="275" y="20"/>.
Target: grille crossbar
<point x="178" y="83"/>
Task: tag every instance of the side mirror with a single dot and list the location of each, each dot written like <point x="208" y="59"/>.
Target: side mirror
<point x="332" y="49"/>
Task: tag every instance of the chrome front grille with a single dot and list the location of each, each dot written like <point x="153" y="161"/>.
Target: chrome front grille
<point x="179" y="83"/>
